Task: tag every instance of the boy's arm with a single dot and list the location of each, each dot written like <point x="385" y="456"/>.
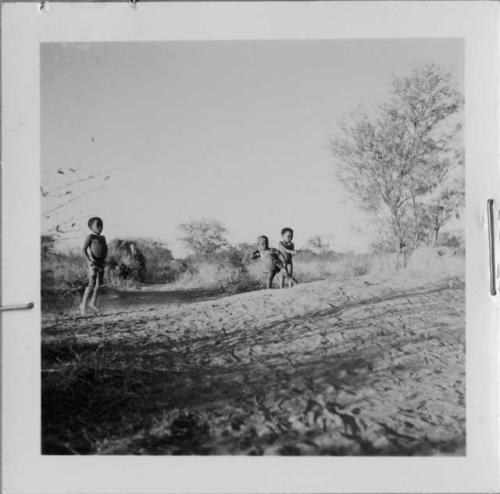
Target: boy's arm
<point x="288" y="251"/>
<point x="86" y="245"/>
<point x="280" y="258"/>
<point x="105" y="248"/>
<point x="255" y="254"/>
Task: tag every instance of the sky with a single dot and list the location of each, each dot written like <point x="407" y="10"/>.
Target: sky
<point x="232" y="130"/>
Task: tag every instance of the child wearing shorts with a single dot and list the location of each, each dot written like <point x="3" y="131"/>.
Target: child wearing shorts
<point x="95" y="250"/>
<point x="287" y="249"/>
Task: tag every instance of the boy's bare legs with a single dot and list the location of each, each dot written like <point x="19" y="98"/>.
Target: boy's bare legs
<point x="270" y="278"/>
<point x="93" y="300"/>
<point x="269" y="282"/>
<point x="83" y="305"/>
<point x="291" y="280"/>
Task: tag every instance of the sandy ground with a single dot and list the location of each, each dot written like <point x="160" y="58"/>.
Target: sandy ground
<point x="368" y="367"/>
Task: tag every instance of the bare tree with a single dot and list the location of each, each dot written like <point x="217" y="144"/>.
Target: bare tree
<point x="391" y="160"/>
<point x="445" y="202"/>
<point x="58" y="200"/>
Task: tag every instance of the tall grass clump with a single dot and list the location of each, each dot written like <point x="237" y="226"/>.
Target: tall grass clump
<point x="230" y="270"/>
<point x="64" y="272"/>
<point x="342" y="267"/>
<point x="63" y="278"/>
<point x="231" y="274"/>
<point x="209" y="275"/>
<point x="435" y="261"/>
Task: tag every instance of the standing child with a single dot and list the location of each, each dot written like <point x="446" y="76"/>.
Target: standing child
<point x="287" y="248"/>
<point x="95" y="250"/>
<point x="272" y="259"/>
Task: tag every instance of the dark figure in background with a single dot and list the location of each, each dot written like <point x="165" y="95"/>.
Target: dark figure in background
<point x="126" y="261"/>
<point x="95" y="249"/>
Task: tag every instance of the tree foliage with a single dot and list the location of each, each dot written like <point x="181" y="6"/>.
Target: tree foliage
<point x="204" y="237"/>
<point x="404" y="162"/>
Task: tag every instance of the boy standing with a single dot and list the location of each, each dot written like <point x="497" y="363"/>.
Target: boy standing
<point x="287" y="248"/>
<point x="95" y="250"/>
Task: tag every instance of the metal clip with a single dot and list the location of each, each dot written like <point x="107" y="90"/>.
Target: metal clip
<point x="491" y="242"/>
<point x="7" y="308"/>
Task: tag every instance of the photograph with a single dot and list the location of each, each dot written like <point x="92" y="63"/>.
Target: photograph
<point x="253" y="247"/>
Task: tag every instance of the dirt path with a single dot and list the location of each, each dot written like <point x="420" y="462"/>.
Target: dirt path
<point x="368" y="367"/>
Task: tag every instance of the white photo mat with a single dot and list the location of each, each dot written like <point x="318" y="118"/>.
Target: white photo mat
<point x="24" y="27"/>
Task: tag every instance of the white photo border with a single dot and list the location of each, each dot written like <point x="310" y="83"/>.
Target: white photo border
<point x="24" y="27"/>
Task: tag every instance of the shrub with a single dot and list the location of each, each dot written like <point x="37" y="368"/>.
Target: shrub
<point x="63" y="277"/>
<point x="384" y="264"/>
<point x="64" y="273"/>
<point x="342" y="267"/>
<point x="136" y="260"/>
<point x="126" y="262"/>
<point x="210" y="275"/>
<point x="204" y="237"/>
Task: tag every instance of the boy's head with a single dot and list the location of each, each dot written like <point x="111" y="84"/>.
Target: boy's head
<point x="95" y="224"/>
<point x="287" y="234"/>
<point x="263" y="242"/>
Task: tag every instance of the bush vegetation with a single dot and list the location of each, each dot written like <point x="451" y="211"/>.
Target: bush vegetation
<point x="404" y="164"/>
<point x="229" y="269"/>
<point x="64" y="272"/>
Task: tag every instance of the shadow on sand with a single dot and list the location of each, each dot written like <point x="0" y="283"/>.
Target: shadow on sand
<point x="314" y="384"/>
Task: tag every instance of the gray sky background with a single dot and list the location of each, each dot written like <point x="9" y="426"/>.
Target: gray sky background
<point x="235" y="130"/>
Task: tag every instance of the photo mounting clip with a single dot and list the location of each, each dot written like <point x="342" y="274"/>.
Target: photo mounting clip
<point x="491" y="244"/>
<point x="8" y="308"/>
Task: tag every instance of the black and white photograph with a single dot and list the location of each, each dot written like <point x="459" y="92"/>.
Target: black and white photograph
<point x="253" y="247"/>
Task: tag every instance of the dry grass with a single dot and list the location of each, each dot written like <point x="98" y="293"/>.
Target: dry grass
<point x="64" y="277"/>
<point x="439" y="262"/>
<point x="210" y="275"/>
<point x="349" y="266"/>
<point x="230" y="279"/>
<point x="64" y="274"/>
